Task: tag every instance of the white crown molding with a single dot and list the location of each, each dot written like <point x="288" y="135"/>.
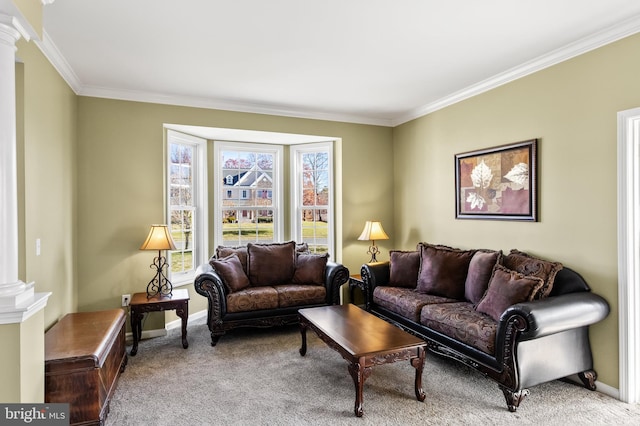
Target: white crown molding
<point x="602" y="38"/>
<point x="226" y="105"/>
<point x="599" y="39"/>
<point x="51" y="52"/>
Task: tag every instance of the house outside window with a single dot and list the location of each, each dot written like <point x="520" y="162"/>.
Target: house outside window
<point x="250" y="176"/>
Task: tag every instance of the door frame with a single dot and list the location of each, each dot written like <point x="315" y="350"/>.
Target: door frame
<point x="629" y="253"/>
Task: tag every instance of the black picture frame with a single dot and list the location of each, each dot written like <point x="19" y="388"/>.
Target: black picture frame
<point x="498" y="183"/>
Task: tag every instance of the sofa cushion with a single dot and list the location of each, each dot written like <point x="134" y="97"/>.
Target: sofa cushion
<point x="310" y="269"/>
<point x="480" y="269"/>
<point x="241" y="251"/>
<point x="406" y="302"/>
<point x="461" y="322"/>
<point x="252" y="299"/>
<point x="271" y="264"/>
<point x="530" y="265"/>
<point x="231" y="272"/>
<point x="443" y="270"/>
<point x="298" y="295"/>
<point x="403" y="268"/>
<point x="507" y="288"/>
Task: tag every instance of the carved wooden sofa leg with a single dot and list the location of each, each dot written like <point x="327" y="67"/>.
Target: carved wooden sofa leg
<point x="214" y="338"/>
<point x="588" y="378"/>
<point x="514" y="398"/>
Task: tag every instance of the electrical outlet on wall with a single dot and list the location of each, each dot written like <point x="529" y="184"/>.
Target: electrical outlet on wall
<point x="126" y="298"/>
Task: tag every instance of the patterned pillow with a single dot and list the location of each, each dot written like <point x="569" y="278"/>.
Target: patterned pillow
<point x="310" y="269"/>
<point x="231" y="272"/>
<point x="530" y="265"/>
<point x="271" y="264"/>
<point x="479" y="274"/>
<point x="443" y="270"/>
<point x="507" y="288"/>
<point x="403" y="268"/>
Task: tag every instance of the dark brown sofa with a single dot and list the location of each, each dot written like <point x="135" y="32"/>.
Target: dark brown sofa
<point x="518" y="319"/>
<point x="264" y="285"/>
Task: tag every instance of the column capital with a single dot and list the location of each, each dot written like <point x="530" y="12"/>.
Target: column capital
<point x="11" y="30"/>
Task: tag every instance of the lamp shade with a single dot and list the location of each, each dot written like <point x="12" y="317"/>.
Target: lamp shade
<point x="373" y="231"/>
<point x="159" y="238"/>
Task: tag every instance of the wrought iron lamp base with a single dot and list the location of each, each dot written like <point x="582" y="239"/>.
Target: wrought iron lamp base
<point x="159" y="284"/>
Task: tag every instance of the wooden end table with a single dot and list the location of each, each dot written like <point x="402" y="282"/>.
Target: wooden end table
<point x="140" y="304"/>
<point x="363" y="340"/>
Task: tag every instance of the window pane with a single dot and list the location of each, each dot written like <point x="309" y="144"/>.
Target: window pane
<point x="246" y="200"/>
<point x="315" y="229"/>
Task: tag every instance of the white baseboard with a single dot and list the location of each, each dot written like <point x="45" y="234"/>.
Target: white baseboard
<point x="178" y="323"/>
<point x="158" y="332"/>
<point x="608" y="390"/>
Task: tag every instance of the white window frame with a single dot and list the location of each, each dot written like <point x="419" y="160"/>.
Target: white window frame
<point x="295" y="157"/>
<point x="277" y="200"/>
<point x="199" y="196"/>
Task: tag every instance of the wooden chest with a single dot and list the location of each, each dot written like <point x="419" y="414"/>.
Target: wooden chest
<point x="84" y="356"/>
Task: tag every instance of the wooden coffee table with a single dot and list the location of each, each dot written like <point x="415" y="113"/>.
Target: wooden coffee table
<point x="363" y="340"/>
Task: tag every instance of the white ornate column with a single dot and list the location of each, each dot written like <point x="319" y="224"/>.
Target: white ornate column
<point x="9" y="35"/>
<point x="21" y="310"/>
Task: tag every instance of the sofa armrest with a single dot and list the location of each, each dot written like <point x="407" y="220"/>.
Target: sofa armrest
<point x="209" y="284"/>
<point x="556" y="314"/>
<point x="336" y="275"/>
<point x="374" y="275"/>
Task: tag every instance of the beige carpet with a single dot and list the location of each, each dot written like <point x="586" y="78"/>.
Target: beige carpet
<point x="257" y="377"/>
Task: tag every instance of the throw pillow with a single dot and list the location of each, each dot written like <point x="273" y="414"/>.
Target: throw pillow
<point x="310" y="269"/>
<point x="241" y="251"/>
<point x="507" y="288"/>
<point x="271" y="264"/>
<point x="479" y="274"/>
<point x="403" y="268"/>
<point x="443" y="270"/>
<point x="231" y="272"/>
<point x="302" y="248"/>
<point x="530" y="265"/>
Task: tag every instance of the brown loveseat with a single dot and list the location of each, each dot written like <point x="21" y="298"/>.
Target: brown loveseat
<point x="517" y="319"/>
<point x="264" y="285"/>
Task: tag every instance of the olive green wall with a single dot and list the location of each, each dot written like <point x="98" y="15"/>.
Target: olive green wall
<point x="120" y="187"/>
<point x="47" y="143"/>
<point x="91" y="178"/>
<point x="571" y="108"/>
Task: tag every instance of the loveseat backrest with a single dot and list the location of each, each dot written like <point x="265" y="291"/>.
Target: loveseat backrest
<point x="568" y="281"/>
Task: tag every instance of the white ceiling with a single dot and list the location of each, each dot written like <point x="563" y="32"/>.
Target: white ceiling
<point x="365" y="61"/>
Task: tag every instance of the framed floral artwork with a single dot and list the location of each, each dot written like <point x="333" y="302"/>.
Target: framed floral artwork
<point x="498" y="183"/>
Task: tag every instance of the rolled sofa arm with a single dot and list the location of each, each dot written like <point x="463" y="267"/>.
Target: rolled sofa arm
<point x="209" y="284"/>
<point x="375" y="274"/>
<point x="336" y="274"/>
<point x="557" y="313"/>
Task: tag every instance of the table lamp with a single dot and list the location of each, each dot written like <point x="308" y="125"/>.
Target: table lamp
<point x="373" y="231"/>
<point x="159" y="238"/>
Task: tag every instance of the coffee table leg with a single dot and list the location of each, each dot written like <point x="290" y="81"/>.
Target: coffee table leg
<point x="359" y="373"/>
<point x="418" y="364"/>
<point x="303" y="333"/>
